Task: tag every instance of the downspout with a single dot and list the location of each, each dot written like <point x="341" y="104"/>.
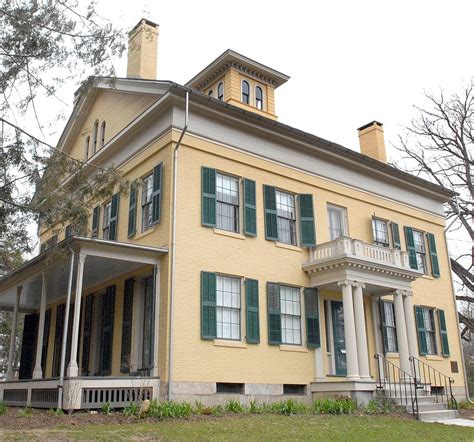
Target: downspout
<point x="466" y="385"/>
<point x="65" y="328"/>
<point x="173" y="243"/>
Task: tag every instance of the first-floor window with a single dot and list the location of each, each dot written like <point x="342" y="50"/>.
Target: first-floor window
<point x="286" y="217"/>
<point x="147" y="210"/>
<point x="227" y="204"/>
<point x="430" y="331"/>
<point x="389" y="325"/>
<point x="228" y="307"/>
<point x="290" y="304"/>
<point x="380" y="231"/>
<point x="106" y="224"/>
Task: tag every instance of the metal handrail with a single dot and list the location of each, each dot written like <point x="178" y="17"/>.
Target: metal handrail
<point x="402" y="384"/>
<point x="428" y="375"/>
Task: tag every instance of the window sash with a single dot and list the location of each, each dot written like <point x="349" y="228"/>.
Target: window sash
<point x="290" y="306"/>
<point x="106" y="226"/>
<point x="286" y="217"/>
<point x="390" y="328"/>
<point x="227" y="202"/>
<point x="147" y="191"/>
<point x="337" y="224"/>
<point x="228" y="307"/>
<point x="380" y="229"/>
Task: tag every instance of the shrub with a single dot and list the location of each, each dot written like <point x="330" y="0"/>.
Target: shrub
<point x="56" y="411"/>
<point x="339" y="405"/>
<point x="132" y="409"/>
<point x="199" y="408"/>
<point x="169" y="410"/>
<point x="107" y="408"/>
<point x="3" y="408"/>
<point x="233" y="406"/>
<point x="378" y="407"/>
<point x="287" y="408"/>
<point x="254" y="408"/>
<point x="23" y="412"/>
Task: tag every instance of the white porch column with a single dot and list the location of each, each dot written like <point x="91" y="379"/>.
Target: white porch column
<point x="11" y="352"/>
<point x="349" y="331"/>
<point x="410" y="323"/>
<point x="361" y="333"/>
<point x="73" y="369"/>
<point x="156" y="331"/>
<point x="401" y="332"/>
<point x="38" y="372"/>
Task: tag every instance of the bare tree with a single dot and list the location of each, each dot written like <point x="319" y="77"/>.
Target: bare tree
<point x="438" y="146"/>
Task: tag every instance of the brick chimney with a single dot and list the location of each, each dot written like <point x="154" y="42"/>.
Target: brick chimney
<point x="372" y="141"/>
<point x="143" y="50"/>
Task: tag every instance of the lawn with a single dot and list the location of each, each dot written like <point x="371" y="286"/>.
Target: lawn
<point x="254" y="427"/>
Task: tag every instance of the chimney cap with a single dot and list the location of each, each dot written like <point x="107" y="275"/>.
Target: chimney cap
<point x="372" y="123"/>
<point x="144" y="21"/>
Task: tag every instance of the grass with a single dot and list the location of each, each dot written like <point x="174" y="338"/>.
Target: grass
<point x="259" y="427"/>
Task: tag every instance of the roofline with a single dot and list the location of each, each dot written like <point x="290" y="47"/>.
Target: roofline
<point x="283" y="78"/>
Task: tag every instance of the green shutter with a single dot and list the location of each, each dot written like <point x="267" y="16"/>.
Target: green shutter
<point x="308" y="236"/>
<point x="44" y="351"/>
<point x="114" y="207"/>
<point x="107" y="332"/>
<point x="311" y="307"/>
<point x="95" y="221"/>
<point x="271" y="229"/>
<point x="87" y="334"/>
<point x="252" y="317"/>
<point x="208" y="306"/>
<point x="125" y="356"/>
<point x="156" y="196"/>
<point x="420" y="326"/>
<point x="383" y="325"/>
<point x="208" y="183"/>
<point x="250" y="208"/>
<point x="411" y="247"/>
<point x="433" y="255"/>
<point x="274" y="313"/>
<point x="443" y="333"/>
<point x="395" y="235"/>
<point x="132" y="210"/>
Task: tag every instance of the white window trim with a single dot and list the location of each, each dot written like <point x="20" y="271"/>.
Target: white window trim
<point x="242" y="307"/>
<point x="302" y="316"/>
<point x="345" y="220"/>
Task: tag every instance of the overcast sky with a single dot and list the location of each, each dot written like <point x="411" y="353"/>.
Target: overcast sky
<point x="350" y="62"/>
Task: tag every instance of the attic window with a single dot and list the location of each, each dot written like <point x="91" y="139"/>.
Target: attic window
<point x="102" y="134"/>
<point x="220" y="91"/>
<point x="210" y="93"/>
<point x="258" y="98"/>
<point x="95" y="135"/>
<point x="86" y="147"/>
<point x="245" y="92"/>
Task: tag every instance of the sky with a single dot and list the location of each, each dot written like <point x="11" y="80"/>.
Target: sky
<point x="350" y="62"/>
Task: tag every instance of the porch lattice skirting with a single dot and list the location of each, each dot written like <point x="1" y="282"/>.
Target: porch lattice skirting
<point x="79" y="393"/>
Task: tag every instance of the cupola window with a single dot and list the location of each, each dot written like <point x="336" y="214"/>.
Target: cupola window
<point x="220" y="91"/>
<point x="259" y="98"/>
<point x="245" y="92"/>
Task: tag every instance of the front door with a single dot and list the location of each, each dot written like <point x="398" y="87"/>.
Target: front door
<point x="339" y="340"/>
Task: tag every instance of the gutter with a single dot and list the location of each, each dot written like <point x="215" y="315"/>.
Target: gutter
<point x="173" y="245"/>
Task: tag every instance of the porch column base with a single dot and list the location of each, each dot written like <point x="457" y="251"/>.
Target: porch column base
<point x="37" y="373"/>
<point x="73" y="371"/>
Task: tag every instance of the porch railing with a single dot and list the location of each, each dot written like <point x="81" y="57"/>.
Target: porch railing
<point x="353" y="247"/>
<point x="440" y="385"/>
<point x="397" y="383"/>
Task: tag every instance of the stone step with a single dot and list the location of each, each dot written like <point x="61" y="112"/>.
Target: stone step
<point x="395" y="393"/>
<point x="427" y="416"/>
<point x="407" y="400"/>
<point x="428" y="407"/>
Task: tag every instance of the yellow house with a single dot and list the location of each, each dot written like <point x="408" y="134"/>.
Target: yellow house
<point x="249" y="258"/>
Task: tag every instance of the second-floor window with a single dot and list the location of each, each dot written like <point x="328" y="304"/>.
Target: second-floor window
<point x="286" y="217"/>
<point x="228" y="307"/>
<point x="106" y="223"/>
<point x="258" y="98"/>
<point x="420" y="249"/>
<point x="147" y="207"/>
<point x="245" y="92"/>
<point x="290" y="304"/>
<point x="337" y="222"/>
<point x="380" y="232"/>
<point x="227" y="202"/>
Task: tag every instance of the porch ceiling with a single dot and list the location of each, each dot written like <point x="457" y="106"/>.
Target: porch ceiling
<point x="105" y="260"/>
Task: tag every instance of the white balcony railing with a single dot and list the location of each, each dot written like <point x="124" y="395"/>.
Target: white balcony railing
<point x="348" y="247"/>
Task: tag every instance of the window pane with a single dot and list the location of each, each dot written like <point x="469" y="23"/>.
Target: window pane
<point x="228" y="307"/>
<point x="286" y="217"/>
<point x="336" y="222"/>
<point x="227" y="208"/>
<point x="291" y="315"/>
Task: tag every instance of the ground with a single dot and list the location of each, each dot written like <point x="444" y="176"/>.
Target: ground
<point x="42" y="425"/>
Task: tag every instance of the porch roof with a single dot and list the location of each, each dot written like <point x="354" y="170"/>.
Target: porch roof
<point x="105" y="260"/>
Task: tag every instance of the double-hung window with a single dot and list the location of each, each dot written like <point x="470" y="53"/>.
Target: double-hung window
<point x="286" y="217"/>
<point x="290" y="305"/>
<point x="420" y="249"/>
<point x="107" y="217"/>
<point x="147" y="192"/>
<point x="227" y="202"/>
<point x="228" y="307"/>
<point x="389" y="327"/>
<point x="380" y="232"/>
<point x="337" y="221"/>
<point x="430" y="331"/>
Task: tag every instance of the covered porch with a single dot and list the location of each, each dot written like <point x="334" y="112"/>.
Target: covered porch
<point x="91" y="329"/>
<point x="362" y="273"/>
